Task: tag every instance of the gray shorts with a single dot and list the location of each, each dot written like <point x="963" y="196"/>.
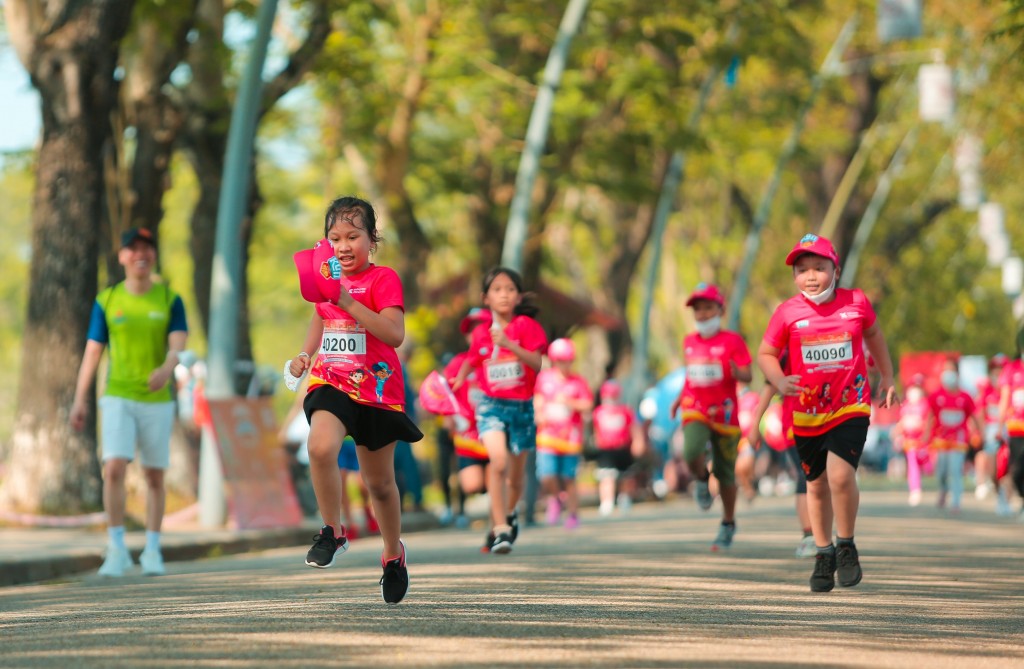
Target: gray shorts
<point x="127" y="424"/>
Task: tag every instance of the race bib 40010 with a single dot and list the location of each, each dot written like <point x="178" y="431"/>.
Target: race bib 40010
<point x="504" y="373"/>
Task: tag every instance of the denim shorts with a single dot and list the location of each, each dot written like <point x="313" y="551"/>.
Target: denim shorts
<point x="561" y="465"/>
<point x="513" y="417"/>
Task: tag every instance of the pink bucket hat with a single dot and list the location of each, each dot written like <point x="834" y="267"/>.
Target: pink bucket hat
<point x="706" y="291"/>
<point x="815" y="245"/>
<point x="319" y="273"/>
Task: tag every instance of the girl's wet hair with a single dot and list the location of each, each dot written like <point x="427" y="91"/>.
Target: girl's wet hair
<point x="344" y="206"/>
<point x="525" y="306"/>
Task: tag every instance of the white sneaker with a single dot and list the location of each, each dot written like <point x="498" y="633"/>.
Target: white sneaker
<point x="915" y="498"/>
<point x="624" y="502"/>
<point x="1003" y="505"/>
<point x="606" y="508"/>
<point x="118" y="559"/>
<point x="152" y="562"/>
<point x="660" y="488"/>
<point x="806" y="548"/>
<point x="982" y="491"/>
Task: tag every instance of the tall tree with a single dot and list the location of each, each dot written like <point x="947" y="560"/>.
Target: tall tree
<point x="70" y="50"/>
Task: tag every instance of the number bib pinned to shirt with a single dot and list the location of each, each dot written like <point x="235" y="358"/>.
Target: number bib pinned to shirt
<point x="504" y="373"/>
<point x="827" y="350"/>
<point x="343" y="344"/>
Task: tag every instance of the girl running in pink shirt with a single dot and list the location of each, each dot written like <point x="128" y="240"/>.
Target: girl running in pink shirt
<point x="618" y="436"/>
<point x="824" y="329"/>
<point x="715" y="360"/>
<point x="909" y="434"/>
<point x="561" y="400"/>
<point x="508" y="353"/>
<point x="358" y="322"/>
<point x="951" y="412"/>
<point x="1011" y="414"/>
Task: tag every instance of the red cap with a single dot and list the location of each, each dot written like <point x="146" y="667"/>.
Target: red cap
<point x="706" y="291"/>
<point x="815" y="245"/>
<point x="562" y="349"/>
<point x="319" y="273"/>
<point x="475" y="316"/>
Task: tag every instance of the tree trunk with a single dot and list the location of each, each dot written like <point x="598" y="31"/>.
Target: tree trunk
<point x="70" y="51"/>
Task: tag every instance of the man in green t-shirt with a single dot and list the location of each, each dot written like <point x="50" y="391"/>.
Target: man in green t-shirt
<point x="143" y="322"/>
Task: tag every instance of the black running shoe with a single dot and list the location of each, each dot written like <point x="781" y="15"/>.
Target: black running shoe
<point x="823" y="578"/>
<point x="848" y="562"/>
<point x="394" y="583"/>
<point x="325" y="547"/>
<point x="502" y="543"/>
<point x="488" y="540"/>
<point x="513" y="522"/>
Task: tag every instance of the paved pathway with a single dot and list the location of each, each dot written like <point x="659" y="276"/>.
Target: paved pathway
<point x="638" y="592"/>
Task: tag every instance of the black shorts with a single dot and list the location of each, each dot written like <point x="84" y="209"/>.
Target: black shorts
<point x="845" y="440"/>
<point x="370" y="426"/>
<point x="614" y="458"/>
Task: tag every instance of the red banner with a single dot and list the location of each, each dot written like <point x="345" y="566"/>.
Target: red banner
<point x="260" y="490"/>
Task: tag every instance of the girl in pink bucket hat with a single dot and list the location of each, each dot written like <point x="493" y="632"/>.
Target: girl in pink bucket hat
<point x="824" y="330"/>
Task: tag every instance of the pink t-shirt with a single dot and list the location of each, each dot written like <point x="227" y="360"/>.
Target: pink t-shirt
<point x="951" y="411"/>
<point x="709" y="393"/>
<point x="467" y="439"/>
<point x="505" y="376"/>
<point x="559" y="426"/>
<point x="350" y="358"/>
<point x="747" y="402"/>
<point x="613" y="426"/>
<point x="913" y="420"/>
<point x="826" y="350"/>
<point x="1012" y="377"/>
<point x="988" y="405"/>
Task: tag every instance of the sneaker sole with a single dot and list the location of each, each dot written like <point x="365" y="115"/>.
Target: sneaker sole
<point x="333" y="557"/>
<point x="502" y="548"/>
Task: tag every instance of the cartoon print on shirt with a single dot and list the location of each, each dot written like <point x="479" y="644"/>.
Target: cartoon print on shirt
<point x="859" y="384"/>
<point x="846" y="396"/>
<point x="356" y="377"/>
<point x="807" y="398"/>
<point x="825" y="397"/>
<point x="728" y="406"/>
<point x="383" y="372"/>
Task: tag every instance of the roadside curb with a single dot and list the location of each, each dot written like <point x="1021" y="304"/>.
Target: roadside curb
<point x="178" y="548"/>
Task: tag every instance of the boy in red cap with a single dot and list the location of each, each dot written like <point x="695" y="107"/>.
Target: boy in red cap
<point x="715" y="360"/>
<point x="824" y="330"/>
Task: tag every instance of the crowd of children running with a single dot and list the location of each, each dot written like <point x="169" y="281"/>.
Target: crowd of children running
<point x="514" y="400"/>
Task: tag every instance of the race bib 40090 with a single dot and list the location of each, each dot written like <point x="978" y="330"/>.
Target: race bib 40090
<point x="827" y="350"/>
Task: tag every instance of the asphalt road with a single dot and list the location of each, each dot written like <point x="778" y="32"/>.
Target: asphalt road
<point x="642" y="591"/>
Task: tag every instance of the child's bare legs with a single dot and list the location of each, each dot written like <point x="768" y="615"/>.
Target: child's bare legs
<point x="516" y="480"/>
<point x="346" y="501"/>
<point x="497" y="474"/>
<point x="326" y="433"/>
<point x="606" y="491"/>
<point x="573" y="497"/>
<point x="745" y="472"/>
<point x="378" y="471"/>
<point x="802" y="516"/>
<point x="472" y="479"/>
<point x="728" y="495"/>
<point x="833" y="496"/>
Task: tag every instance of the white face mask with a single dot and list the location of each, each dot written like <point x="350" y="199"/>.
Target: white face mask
<point x="950" y="380"/>
<point x="915" y="395"/>
<point x="710" y="327"/>
<point x="823" y="296"/>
